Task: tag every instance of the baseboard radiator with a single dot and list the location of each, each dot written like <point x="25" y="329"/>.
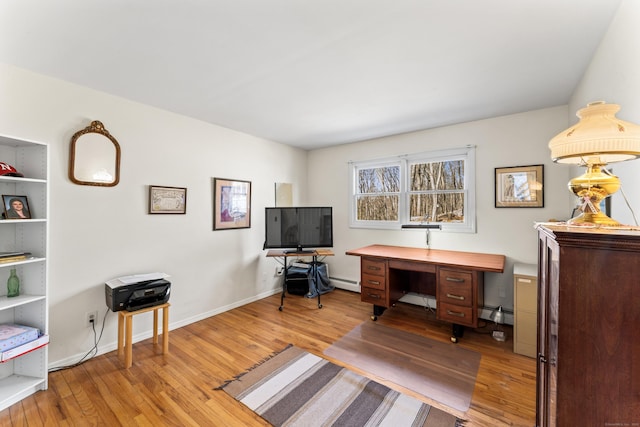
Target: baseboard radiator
<point x="346" y="284"/>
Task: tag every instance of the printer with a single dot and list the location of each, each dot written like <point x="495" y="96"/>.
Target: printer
<point x="138" y="291"/>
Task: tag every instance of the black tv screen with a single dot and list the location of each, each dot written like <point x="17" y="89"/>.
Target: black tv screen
<point x="298" y="228"/>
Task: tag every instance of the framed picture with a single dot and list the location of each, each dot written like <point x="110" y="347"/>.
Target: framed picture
<point x="167" y="200"/>
<point x="16" y="207"/>
<point x="231" y="204"/>
<point x="520" y="187"/>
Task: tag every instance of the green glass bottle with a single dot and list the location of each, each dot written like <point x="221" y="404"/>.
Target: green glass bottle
<point x="13" y="284"/>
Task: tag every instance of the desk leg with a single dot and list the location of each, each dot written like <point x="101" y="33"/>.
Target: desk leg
<point x="377" y="311"/>
<point x="457" y="331"/>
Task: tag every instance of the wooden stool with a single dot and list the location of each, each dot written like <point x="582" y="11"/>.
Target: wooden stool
<point x="125" y="329"/>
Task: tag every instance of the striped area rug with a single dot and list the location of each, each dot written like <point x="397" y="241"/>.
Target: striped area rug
<point x="297" y="388"/>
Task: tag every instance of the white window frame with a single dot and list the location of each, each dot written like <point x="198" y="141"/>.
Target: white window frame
<point x="467" y="154"/>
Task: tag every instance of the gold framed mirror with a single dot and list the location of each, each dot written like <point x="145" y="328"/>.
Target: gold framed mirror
<point x="94" y="157"/>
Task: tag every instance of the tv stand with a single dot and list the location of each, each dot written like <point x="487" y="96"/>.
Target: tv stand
<point x="284" y="254"/>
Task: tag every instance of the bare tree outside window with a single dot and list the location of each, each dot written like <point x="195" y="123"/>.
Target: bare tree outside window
<point x="436" y="192"/>
<point x="378" y="194"/>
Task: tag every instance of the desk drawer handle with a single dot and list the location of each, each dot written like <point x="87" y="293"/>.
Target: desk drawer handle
<point x="374" y="296"/>
<point x="455" y="313"/>
<point x="374" y="268"/>
<point x="458" y="297"/>
<point x="455" y="279"/>
<point x="373" y="282"/>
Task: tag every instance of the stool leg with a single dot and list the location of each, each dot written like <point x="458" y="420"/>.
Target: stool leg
<point x="155" y="326"/>
<point x="165" y="330"/>
<point x="120" y="334"/>
<point x="128" y="354"/>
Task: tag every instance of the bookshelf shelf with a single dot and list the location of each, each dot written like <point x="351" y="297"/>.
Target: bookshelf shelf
<point x="23" y="371"/>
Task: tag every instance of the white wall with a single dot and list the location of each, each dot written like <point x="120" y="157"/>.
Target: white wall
<point x="100" y="233"/>
<point x="515" y="140"/>
<point x="614" y="76"/>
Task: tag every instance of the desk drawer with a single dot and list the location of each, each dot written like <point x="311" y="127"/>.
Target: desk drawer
<point x="374" y="296"/>
<point x="374" y="267"/>
<point x="455" y="287"/>
<point x="372" y="281"/>
<point x="455" y="314"/>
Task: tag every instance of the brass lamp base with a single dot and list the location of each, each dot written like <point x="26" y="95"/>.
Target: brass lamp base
<point x="592" y="188"/>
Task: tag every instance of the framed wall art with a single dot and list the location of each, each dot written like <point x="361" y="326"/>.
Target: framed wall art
<point x="16" y="207"/>
<point x="520" y="187"/>
<point x="167" y="200"/>
<point x="231" y="204"/>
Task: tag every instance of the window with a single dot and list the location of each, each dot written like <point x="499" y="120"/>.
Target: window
<point x="434" y="187"/>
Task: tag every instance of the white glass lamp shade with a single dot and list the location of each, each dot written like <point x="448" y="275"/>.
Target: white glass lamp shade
<point x="598" y="138"/>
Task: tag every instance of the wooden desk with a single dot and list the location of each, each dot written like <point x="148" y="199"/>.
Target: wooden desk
<point x="455" y="278"/>
<point x="284" y="254"/>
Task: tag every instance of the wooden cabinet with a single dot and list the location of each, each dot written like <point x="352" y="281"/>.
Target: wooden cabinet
<point x="588" y="319"/>
<point x="26" y="373"/>
<point x="525" y="309"/>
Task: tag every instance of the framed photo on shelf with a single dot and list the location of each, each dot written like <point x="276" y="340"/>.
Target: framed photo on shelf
<point x="16" y="207"/>
<point x="520" y="187"/>
<point x="231" y="204"/>
<point x="167" y="200"/>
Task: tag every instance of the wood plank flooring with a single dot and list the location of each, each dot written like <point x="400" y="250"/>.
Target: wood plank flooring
<point x="177" y="389"/>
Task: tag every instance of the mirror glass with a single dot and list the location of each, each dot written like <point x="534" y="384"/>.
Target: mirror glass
<point x="94" y="157"/>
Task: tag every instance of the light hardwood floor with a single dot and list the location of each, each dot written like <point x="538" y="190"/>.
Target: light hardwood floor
<point x="178" y="389"/>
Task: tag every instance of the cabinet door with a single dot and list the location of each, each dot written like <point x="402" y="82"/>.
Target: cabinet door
<point x="547" y="332"/>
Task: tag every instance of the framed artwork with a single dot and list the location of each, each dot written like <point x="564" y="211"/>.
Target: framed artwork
<point x="520" y="187"/>
<point x="231" y="204"/>
<point x="16" y="207"/>
<point x="167" y="200"/>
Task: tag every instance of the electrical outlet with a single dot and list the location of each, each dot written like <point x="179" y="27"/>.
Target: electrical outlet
<point x="91" y="317"/>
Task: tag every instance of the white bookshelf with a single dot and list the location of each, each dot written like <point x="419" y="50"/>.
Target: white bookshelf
<point x="25" y="374"/>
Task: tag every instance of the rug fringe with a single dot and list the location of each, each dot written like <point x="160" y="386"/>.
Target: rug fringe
<point x="240" y="375"/>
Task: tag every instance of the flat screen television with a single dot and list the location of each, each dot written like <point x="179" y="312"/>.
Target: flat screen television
<point x="298" y="229"/>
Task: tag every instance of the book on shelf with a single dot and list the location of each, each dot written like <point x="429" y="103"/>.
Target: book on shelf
<point x="14" y="256"/>
<point x="28" y="347"/>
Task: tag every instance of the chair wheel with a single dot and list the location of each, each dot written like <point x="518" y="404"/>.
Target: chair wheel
<point x="454" y="339"/>
<point x="280" y="308"/>
<point x="319" y="305"/>
<point x="374" y="317"/>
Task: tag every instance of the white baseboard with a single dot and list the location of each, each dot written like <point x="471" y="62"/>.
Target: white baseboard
<point x="111" y="346"/>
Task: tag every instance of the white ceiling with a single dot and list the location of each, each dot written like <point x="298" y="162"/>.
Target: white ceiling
<point x="313" y="73"/>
